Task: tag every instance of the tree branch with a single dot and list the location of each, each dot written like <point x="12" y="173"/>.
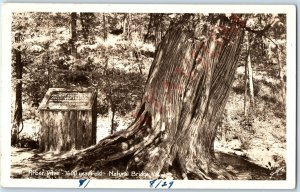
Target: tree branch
<point x="263" y="31"/>
<point x="277" y="46"/>
<point x="258" y="32"/>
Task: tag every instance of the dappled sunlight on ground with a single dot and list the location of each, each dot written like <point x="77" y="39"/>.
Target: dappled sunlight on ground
<point x="263" y="141"/>
<point x="104" y="124"/>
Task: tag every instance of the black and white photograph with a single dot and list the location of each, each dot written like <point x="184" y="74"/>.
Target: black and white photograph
<point x="159" y="96"/>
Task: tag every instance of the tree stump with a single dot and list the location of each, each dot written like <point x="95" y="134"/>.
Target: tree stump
<point x="68" y="119"/>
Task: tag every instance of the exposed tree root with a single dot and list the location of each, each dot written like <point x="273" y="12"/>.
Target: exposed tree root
<point x="221" y="172"/>
<point x="193" y="170"/>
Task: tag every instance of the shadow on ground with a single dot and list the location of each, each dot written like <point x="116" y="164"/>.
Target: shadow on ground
<point x="26" y="161"/>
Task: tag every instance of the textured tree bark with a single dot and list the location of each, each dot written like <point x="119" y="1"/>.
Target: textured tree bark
<point x="17" y="118"/>
<point x="187" y="89"/>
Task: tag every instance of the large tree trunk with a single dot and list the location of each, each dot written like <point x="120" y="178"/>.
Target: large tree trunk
<point x="187" y="89"/>
<point x="17" y="118"/>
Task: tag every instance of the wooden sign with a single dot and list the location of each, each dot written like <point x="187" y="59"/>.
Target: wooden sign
<point x="68" y="119"/>
<point x="70" y="99"/>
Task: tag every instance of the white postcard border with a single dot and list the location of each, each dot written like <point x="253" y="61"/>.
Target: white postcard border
<point x="290" y="10"/>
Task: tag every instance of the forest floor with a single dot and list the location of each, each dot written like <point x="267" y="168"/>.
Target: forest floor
<point x="248" y="154"/>
<point x="254" y="150"/>
<point x="26" y="161"/>
<point x="262" y="138"/>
